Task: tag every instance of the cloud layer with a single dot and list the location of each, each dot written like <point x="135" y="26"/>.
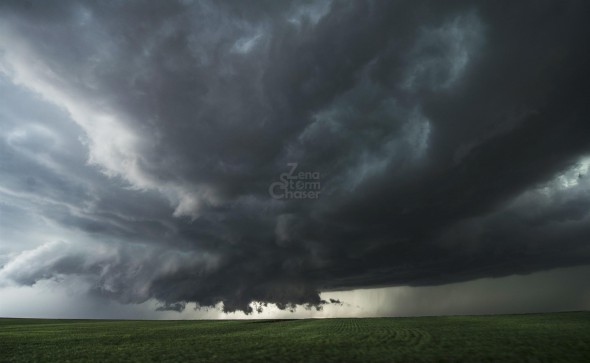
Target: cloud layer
<point x="139" y="141"/>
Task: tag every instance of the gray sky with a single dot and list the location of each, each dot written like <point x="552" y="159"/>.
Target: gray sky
<point x="147" y="156"/>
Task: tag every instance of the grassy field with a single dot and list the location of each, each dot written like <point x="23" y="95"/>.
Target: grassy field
<point x="560" y="337"/>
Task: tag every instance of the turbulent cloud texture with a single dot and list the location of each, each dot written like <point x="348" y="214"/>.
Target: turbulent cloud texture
<point x="138" y="142"/>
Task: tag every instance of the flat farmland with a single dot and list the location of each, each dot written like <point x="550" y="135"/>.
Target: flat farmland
<point x="555" y="337"/>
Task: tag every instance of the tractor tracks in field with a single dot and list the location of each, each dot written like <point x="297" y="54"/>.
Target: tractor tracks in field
<point x="393" y="336"/>
<point x="348" y="326"/>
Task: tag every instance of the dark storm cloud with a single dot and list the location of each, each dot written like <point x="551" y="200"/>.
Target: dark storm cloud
<point x="449" y="138"/>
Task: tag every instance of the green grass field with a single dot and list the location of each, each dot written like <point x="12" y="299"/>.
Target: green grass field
<point x="559" y="337"/>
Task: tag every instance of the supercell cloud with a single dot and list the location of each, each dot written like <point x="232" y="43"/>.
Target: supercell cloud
<point x="435" y="143"/>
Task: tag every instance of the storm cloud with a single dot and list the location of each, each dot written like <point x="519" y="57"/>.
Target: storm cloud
<point x="139" y="141"/>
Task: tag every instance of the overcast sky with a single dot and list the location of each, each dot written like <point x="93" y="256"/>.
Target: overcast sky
<point x="363" y="158"/>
